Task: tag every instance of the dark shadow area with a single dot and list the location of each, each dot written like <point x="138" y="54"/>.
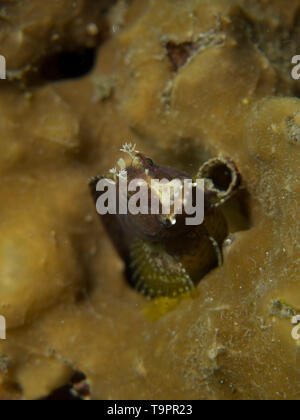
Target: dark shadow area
<point x="178" y="54"/>
<point x="221" y="176"/>
<point x="76" y="390"/>
<point x="237" y="212"/>
<point x="68" y="64"/>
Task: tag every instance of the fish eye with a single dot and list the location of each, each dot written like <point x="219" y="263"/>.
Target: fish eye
<point x="150" y="161"/>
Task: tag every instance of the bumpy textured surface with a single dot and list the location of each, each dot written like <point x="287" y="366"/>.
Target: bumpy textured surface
<point x="186" y="81"/>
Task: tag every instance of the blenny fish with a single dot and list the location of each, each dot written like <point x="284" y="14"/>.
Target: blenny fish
<point x="164" y="257"/>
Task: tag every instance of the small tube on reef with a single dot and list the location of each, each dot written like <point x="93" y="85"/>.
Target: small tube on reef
<point x="222" y="179"/>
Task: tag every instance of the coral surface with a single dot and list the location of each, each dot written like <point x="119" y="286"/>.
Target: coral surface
<point x="186" y="81"/>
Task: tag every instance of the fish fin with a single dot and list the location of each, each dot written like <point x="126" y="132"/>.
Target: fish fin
<point x="156" y="273"/>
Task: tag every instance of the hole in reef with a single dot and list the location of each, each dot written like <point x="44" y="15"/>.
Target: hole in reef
<point x="76" y="390"/>
<point x="68" y="64"/>
<point x="178" y="54"/>
<point x="221" y="176"/>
